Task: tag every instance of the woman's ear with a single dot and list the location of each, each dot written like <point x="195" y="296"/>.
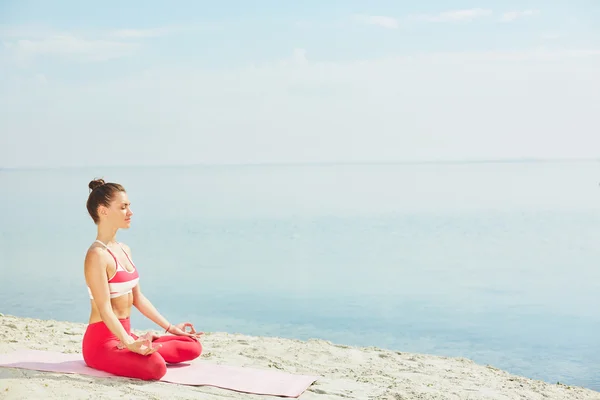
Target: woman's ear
<point x="102" y="210"/>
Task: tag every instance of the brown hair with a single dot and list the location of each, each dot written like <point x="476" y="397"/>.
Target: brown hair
<point x="101" y="193"/>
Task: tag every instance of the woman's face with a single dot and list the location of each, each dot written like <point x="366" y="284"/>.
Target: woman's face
<point x="119" y="213"/>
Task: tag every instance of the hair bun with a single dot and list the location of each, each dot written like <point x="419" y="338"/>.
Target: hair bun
<point x="96" y="183"/>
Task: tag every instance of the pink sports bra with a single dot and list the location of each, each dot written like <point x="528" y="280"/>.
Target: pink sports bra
<point x="123" y="281"/>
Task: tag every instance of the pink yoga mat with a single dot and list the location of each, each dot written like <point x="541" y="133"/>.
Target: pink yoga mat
<point x="198" y="373"/>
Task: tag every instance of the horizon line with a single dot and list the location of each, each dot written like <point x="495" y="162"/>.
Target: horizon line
<point x="515" y="160"/>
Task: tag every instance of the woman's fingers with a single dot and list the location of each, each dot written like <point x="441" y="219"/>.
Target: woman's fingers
<point x="196" y="335"/>
<point x="185" y="325"/>
<point x="144" y="347"/>
<point x="191" y="333"/>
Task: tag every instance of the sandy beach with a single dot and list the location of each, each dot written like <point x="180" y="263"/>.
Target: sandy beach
<point x="346" y="372"/>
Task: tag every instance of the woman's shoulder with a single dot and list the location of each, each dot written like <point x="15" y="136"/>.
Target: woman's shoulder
<point x="96" y="248"/>
<point x="95" y="255"/>
<point x="125" y="248"/>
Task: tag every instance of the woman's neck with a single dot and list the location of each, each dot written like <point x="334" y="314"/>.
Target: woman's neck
<point x="107" y="234"/>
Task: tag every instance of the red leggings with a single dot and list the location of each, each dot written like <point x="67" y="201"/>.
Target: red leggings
<point x="100" y="352"/>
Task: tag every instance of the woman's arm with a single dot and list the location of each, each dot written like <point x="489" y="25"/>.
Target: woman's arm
<point x="147" y="309"/>
<point x="144" y="305"/>
<point x="95" y="276"/>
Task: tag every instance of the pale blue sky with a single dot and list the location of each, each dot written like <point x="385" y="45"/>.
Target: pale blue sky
<point x="183" y="82"/>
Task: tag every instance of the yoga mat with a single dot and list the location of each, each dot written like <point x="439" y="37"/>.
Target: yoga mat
<point x="199" y="373"/>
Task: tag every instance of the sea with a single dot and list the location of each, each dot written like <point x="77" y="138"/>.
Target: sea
<point x="495" y="261"/>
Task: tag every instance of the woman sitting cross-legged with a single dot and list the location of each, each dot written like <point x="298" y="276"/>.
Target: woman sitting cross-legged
<point x="113" y="285"/>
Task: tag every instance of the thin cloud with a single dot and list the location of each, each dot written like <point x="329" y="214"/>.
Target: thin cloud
<point x="454" y="16"/>
<point x="379" y="20"/>
<point x="36" y="32"/>
<point x="299" y="56"/>
<point x="27" y="42"/>
<point x="139" y="33"/>
<point x="540" y="54"/>
<point x="514" y="15"/>
<point x="134" y="33"/>
<point x="70" y="46"/>
<point x="14" y="32"/>
<point x="359" y="96"/>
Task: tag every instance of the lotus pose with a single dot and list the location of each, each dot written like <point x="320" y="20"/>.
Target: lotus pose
<point x="113" y="285"/>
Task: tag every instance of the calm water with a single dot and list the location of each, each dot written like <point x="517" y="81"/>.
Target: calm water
<point x="495" y="262"/>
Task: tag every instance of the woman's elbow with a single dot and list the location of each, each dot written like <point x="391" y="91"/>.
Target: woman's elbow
<point x="138" y="297"/>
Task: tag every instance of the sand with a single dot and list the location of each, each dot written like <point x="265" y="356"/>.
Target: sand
<point x="347" y="372"/>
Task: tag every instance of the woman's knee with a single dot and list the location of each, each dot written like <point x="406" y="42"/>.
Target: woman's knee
<point x="196" y="349"/>
<point x="153" y="368"/>
<point x="193" y="347"/>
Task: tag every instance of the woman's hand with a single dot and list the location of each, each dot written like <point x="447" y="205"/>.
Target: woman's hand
<point x="180" y="330"/>
<point x="142" y="345"/>
<point x="150" y="336"/>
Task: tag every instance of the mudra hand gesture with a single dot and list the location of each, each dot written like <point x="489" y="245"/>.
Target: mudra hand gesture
<point x="180" y="330"/>
<point x="142" y="345"/>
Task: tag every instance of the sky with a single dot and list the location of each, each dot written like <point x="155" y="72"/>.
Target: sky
<point x="229" y="82"/>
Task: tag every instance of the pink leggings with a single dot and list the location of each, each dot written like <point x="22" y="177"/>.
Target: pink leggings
<point x="100" y="352"/>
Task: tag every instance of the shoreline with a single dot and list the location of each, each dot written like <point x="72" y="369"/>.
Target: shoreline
<point x="346" y="372"/>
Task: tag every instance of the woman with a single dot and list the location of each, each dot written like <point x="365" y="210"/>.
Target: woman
<point x="112" y="281"/>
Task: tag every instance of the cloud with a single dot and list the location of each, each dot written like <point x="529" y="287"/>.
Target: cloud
<point x="299" y="56"/>
<point x="533" y="55"/>
<point x="514" y="15"/>
<point x="28" y="42"/>
<point x="25" y="32"/>
<point x="74" y="47"/>
<point x="381" y="21"/>
<point x="134" y="33"/>
<point x="41" y="32"/>
<point x="139" y="33"/>
<point x="40" y="78"/>
<point x="424" y="106"/>
<point x="454" y="16"/>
